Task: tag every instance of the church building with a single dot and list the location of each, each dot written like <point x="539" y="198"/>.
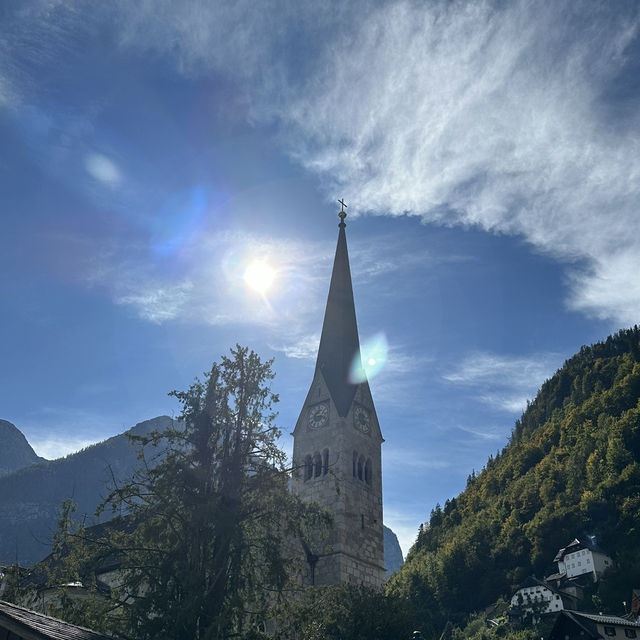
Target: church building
<point x="337" y="444"/>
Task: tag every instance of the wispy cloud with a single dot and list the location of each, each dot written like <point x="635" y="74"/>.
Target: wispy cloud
<point x="485" y="114"/>
<point x="401" y="378"/>
<point x="412" y="461"/>
<point x="208" y="287"/>
<point x="306" y="347"/>
<point x="486" y="433"/>
<point x="503" y="382"/>
<point x="504" y="116"/>
<point x="490" y="115"/>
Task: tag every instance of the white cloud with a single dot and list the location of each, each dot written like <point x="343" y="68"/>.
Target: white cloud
<point x="504" y="382"/>
<point x="496" y="115"/>
<point x="53" y="448"/>
<point x="466" y="114"/>
<point x="210" y="288"/>
<point x="305" y="347"/>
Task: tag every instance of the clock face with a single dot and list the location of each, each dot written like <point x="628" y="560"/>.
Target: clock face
<point x="318" y="415"/>
<point x="362" y="420"/>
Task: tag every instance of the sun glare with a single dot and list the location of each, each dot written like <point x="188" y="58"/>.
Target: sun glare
<point x="259" y="276"/>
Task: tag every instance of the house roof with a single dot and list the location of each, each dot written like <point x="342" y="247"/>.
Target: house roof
<point x="577" y="545"/>
<point x="36" y="626"/>
<point x="608" y="619"/>
<point x="556" y="576"/>
<point x="532" y="581"/>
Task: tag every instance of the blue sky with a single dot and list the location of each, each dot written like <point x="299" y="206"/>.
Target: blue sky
<point x="489" y="153"/>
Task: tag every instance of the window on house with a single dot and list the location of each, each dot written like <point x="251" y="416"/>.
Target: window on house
<point x="325" y="462"/>
<point x="609" y="631"/>
<point x="308" y="468"/>
<point x="317" y="465"/>
<point x="630" y="633"/>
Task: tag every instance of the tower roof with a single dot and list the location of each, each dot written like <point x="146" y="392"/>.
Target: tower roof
<point x="339" y="343"/>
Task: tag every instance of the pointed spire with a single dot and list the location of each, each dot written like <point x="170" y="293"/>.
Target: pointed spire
<point x="339" y="343"/>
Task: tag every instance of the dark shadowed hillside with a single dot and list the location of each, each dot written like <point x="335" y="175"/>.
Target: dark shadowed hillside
<point x="572" y="467"/>
<point x="15" y="451"/>
<point x="30" y="498"/>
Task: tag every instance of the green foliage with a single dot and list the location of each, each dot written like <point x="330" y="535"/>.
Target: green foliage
<point x="572" y="467"/>
<point x="343" y="612"/>
<point x="201" y="540"/>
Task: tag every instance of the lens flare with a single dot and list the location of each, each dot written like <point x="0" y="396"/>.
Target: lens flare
<point x="259" y="276"/>
<point x="371" y="360"/>
<point x="178" y="221"/>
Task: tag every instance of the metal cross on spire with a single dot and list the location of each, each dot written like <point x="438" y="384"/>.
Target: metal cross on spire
<point x="342" y="213"/>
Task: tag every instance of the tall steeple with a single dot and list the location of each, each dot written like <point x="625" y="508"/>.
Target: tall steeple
<point x="337" y="445"/>
<point x="339" y="343"/>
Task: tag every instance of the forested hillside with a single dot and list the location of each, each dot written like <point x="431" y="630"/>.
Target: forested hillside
<point x="572" y="467"/>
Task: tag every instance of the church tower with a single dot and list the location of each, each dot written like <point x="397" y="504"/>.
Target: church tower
<point x="337" y="444"/>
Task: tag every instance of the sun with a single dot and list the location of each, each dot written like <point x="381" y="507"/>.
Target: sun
<point x="259" y="276"/>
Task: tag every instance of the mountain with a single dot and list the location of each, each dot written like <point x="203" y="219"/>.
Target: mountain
<point x="570" y="469"/>
<point x="16" y="452"/>
<point x="392" y="552"/>
<point x="31" y="497"/>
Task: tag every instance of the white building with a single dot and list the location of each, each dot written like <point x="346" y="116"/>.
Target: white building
<point x="582" y="557"/>
<point x="532" y="596"/>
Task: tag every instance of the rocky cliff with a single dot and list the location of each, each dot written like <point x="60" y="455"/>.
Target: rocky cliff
<point x="15" y="451"/>
<point x="392" y="552"/>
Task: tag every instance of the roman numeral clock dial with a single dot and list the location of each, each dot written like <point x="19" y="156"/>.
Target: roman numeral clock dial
<point x="318" y="415"/>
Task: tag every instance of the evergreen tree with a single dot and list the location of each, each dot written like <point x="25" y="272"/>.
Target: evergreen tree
<point x="208" y="528"/>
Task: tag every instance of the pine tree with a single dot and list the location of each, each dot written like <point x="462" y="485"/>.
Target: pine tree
<point x="207" y="528"/>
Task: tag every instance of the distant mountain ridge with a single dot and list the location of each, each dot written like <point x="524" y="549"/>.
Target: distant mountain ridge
<point x="31" y="496"/>
<point x="15" y="451"/>
<point x="32" y="493"/>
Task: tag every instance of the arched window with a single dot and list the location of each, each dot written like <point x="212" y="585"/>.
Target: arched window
<point x="325" y="462"/>
<point x="355" y="464"/>
<point x="360" y="467"/>
<point x="308" y="468"/>
<point x="367" y="472"/>
<point x="317" y="465"/>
